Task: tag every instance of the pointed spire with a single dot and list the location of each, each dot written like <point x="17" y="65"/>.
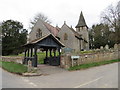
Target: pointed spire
<point x="81" y="22"/>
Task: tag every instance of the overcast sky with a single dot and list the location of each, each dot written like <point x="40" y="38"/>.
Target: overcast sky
<point x="57" y="11"/>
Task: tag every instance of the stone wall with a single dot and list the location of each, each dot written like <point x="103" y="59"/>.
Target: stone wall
<point x="17" y="59"/>
<point x="105" y="55"/>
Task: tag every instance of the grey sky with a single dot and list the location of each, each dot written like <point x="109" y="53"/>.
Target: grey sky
<point x="57" y="11"/>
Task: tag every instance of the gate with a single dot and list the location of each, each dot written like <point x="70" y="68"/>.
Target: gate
<point x="54" y="61"/>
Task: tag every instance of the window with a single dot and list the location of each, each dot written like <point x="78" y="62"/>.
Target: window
<point x="65" y="36"/>
<point x="81" y="28"/>
<point x="39" y="33"/>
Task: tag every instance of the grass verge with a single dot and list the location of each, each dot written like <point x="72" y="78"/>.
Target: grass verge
<point x="13" y="67"/>
<point x="84" y="66"/>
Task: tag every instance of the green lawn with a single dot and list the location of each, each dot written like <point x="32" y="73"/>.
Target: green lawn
<point x="41" y="56"/>
<point x="20" y="68"/>
<point x="84" y="66"/>
<point x="13" y="67"/>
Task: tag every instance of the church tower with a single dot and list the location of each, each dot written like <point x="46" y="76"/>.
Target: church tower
<point x="82" y="29"/>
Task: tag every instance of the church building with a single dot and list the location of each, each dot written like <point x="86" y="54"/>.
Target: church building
<point x="76" y="40"/>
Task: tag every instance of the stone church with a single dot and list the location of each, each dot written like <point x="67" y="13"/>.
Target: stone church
<point x="76" y="40"/>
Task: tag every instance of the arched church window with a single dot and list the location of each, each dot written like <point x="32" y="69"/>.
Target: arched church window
<point x="39" y="33"/>
<point x="65" y="36"/>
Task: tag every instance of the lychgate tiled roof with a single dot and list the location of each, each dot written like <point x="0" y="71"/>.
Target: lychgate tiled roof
<point x="40" y="39"/>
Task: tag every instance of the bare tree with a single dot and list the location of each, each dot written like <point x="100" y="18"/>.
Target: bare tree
<point x="118" y="8"/>
<point x="37" y="17"/>
<point x="111" y="16"/>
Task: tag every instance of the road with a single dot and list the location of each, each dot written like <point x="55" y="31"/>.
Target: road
<point x="105" y="76"/>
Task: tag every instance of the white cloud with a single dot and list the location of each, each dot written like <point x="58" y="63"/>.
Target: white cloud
<point x="57" y="10"/>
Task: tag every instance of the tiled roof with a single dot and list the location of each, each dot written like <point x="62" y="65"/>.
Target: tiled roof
<point x="52" y="29"/>
<point x="40" y="39"/>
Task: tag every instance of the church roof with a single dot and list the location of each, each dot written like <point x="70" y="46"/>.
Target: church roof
<point x="81" y="22"/>
<point x="53" y="30"/>
<point x="75" y="33"/>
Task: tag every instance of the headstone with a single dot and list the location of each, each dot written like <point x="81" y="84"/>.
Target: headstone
<point x="106" y="47"/>
<point x="101" y="47"/>
<point x="86" y="56"/>
<point x="115" y="47"/>
<point x="119" y="47"/>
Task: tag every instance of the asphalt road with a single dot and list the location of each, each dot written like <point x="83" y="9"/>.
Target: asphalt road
<point x="105" y="76"/>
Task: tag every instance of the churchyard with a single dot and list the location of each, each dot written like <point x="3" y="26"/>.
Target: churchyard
<point x="68" y="60"/>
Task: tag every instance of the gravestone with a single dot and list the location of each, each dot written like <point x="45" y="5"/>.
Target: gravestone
<point x="115" y="47"/>
<point x="101" y="47"/>
<point x="118" y="46"/>
<point x="106" y="47"/>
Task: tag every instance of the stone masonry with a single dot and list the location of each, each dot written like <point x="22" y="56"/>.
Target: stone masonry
<point x="66" y="60"/>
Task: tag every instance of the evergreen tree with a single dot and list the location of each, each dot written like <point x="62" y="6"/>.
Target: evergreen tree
<point x="101" y="35"/>
<point x="13" y="36"/>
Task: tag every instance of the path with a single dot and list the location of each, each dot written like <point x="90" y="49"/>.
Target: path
<point x="105" y="76"/>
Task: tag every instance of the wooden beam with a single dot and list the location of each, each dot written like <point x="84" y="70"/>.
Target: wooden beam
<point x="35" y="51"/>
<point x="59" y="51"/>
<point x="31" y="51"/>
<point x="25" y="52"/>
<point x="50" y="53"/>
<point x="46" y="53"/>
<point x="54" y="52"/>
<point x="35" y="56"/>
<point x="24" y="60"/>
<point x="28" y="52"/>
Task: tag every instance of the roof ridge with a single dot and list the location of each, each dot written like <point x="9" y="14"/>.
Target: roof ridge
<point x="75" y="33"/>
<point x="72" y="29"/>
<point x="49" y="24"/>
